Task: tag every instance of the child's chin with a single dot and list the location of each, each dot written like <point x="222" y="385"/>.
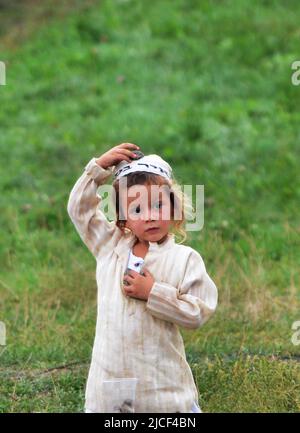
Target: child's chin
<point x="156" y="237"/>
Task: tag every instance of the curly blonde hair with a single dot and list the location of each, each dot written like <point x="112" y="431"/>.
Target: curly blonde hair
<point x="180" y="202"/>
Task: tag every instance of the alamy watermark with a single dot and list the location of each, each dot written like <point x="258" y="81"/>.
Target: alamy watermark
<point x="156" y="195"/>
<point x="2" y="74"/>
<point x="2" y="334"/>
<point x="296" y="335"/>
<point x="295" y="78"/>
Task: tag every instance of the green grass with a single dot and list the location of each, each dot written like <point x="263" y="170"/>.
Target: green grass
<point x="207" y="85"/>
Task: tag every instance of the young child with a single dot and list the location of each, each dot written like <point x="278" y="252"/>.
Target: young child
<point x="137" y="339"/>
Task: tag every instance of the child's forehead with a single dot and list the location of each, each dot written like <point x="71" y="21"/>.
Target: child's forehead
<point x="145" y="191"/>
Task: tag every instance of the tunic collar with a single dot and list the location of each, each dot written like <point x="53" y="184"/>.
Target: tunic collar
<point x="126" y="242"/>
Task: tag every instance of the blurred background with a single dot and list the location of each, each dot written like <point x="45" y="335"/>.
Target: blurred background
<point x="207" y="85"/>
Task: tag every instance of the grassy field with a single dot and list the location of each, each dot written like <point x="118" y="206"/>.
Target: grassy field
<point x="206" y="84"/>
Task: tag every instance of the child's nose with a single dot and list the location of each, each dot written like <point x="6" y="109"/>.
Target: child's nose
<point x="151" y="215"/>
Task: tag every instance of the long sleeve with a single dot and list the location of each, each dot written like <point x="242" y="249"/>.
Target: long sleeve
<point x="192" y="303"/>
<point x="95" y="230"/>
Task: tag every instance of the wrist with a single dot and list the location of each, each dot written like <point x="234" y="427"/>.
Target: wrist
<point x="101" y="164"/>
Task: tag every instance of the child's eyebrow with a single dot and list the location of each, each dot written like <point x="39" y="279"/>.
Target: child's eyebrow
<point x="130" y="199"/>
<point x="162" y="197"/>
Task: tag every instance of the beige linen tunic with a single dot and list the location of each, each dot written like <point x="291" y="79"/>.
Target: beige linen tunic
<point x="134" y="337"/>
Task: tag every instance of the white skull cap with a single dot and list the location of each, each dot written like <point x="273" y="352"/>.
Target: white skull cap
<point x="150" y="163"/>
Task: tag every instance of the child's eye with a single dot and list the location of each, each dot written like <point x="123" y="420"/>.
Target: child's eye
<point x="136" y="209"/>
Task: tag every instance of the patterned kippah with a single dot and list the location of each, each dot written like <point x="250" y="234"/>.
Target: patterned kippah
<point x="150" y="163"/>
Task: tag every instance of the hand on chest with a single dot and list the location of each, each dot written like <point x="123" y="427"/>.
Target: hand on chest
<point x="162" y="266"/>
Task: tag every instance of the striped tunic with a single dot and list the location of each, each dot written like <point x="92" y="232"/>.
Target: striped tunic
<point x="136" y="338"/>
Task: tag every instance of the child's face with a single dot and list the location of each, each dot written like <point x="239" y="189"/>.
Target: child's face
<point x="147" y="206"/>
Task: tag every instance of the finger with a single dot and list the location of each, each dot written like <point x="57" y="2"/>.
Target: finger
<point x="133" y="273"/>
<point x="128" y="146"/>
<point x="120" y="156"/>
<point x="130" y="153"/>
<point x="129" y="292"/>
